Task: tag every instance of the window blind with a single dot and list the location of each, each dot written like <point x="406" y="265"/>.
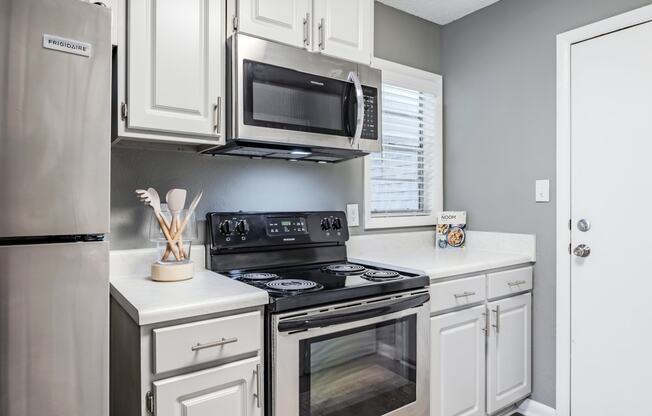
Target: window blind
<point x="401" y="175"/>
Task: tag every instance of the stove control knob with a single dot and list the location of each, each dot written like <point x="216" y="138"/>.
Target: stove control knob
<point x="337" y="224"/>
<point x="243" y="227"/>
<point x="325" y="224"/>
<point x="226" y="227"/>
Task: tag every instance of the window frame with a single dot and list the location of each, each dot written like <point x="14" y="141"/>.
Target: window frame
<point x="416" y="79"/>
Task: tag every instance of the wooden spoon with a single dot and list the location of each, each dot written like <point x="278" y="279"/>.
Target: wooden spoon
<point x="191" y="210"/>
<point x="176" y="199"/>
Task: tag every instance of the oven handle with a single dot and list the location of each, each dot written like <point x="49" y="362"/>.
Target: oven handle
<point x="346" y="317"/>
<point x="359" y="96"/>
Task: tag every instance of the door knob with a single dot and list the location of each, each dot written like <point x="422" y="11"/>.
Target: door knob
<point x="582" y="250"/>
<point x="584" y="225"/>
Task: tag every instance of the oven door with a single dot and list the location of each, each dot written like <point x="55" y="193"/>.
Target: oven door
<point x="362" y="359"/>
<point x="290" y="96"/>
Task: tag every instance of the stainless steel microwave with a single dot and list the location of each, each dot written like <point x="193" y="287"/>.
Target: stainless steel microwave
<point x="288" y="103"/>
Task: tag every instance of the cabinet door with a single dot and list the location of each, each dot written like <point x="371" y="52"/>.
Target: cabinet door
<point x="285" y="21"/>
<point x="176" y="66"/>
<point x="509" y="352"/>
<point x="457" y="364"/>
<point x="343" y="28"/>
<point x="230" y="389"/>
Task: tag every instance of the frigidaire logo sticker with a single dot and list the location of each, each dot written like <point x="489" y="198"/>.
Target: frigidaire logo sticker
<point x="60" y="44"/>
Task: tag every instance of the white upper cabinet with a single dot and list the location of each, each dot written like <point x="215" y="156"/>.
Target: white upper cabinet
<point x="285" y="21"/>
<point x="343" y="29"/>
<point x="457" y="381"/>
<point x="509" y="352"/>
<point x="175" y="66"/>
<point x="338" y="28"/>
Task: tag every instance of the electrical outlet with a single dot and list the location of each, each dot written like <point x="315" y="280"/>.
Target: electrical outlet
<point x="542" y="189"/>
<point x="353" y="215"/>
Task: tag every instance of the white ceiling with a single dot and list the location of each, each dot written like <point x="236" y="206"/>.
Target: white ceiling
<point x="439" y="11"/>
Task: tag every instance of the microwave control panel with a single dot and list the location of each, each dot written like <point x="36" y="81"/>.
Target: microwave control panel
<point x="370" y="125"/>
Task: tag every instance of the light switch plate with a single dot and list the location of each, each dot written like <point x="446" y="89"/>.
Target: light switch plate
<point x="353" y="215"/>
<point x="542" y="189"/>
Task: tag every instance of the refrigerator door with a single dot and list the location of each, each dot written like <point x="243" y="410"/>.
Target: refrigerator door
<point x="54" y="329"/>
<point x="55" y="112"/>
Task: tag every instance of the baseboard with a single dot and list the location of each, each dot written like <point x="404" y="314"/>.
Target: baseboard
<point x="531" y="408"/>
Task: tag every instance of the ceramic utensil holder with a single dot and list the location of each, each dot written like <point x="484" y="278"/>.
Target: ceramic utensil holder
<point x="170" y="267"/>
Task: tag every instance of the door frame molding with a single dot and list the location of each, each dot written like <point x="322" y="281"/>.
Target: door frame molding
<point x="563" y="272"/>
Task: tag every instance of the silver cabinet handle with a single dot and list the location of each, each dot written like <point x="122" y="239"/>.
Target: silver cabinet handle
<point x="217" y="116"/>
<point x="486" y="322"/>
<point x="464" y="295"/>
<point x="258" y="385"/>
<point x="306" y="30"/>
<point x="497" y="312"/>
<point x="517" y="283"/>
<point x="321" y="34"/>
<point x="359" y="96"/>
<point x="213" y="344"/>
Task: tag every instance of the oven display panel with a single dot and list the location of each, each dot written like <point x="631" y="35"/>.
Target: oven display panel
<point x="286" y="226"/>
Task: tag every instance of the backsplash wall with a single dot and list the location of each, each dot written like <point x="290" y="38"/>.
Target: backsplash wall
<point x="231" y="183"/>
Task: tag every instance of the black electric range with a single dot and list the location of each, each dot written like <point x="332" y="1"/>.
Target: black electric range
<point x="318" y="298"/>
<point x="298" y="257"/>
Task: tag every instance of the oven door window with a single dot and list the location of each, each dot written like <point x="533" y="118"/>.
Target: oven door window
<point x="282" y="98"/>
<point x="366" y="371"/>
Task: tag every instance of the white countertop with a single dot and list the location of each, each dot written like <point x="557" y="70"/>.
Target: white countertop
<point x="417" y="250"/>
<point x="149" y="302"/>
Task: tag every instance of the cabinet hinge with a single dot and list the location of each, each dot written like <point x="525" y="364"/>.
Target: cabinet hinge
<point x="149" y="402"/>
<point x="235" y="23"/>
<point x="124" y="111"/>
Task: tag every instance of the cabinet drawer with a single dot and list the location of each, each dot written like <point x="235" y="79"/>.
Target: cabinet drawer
<point x="200" y="342"/>
<point x="455" y="293"/>
<point x="509" y="282"/>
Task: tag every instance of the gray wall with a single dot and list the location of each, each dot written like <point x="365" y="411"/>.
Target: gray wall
<point x="404" y="38"/>
<point x="259" y="185"/>
<point x="499" y="80"/>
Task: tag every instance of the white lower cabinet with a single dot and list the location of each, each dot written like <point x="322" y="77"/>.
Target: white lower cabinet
<point x="509" y="351"/>
<point x="457" y="382"/>
<point x="230" y="389"/>
<point x="481" y="357"/>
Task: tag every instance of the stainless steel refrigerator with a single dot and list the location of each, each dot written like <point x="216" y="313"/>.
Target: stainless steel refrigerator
<point x="55" y="104"/>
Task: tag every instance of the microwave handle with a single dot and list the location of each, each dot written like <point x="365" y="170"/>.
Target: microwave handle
<point x="301" y="324"/>
<point x="359" y="96"/>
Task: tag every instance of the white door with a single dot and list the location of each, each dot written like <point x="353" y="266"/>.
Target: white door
<point x="509" y="352"/>
<point x="611" y="177"/>
<point x="230" y="390"/>
<point x="344" y="29"/>
<point x="176" y="66"/>
<point x="457" y="363"/>
<point x="285" y="21"/>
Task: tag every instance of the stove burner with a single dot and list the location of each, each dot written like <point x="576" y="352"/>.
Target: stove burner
<point x="292" y="285"/>
<point x="257" y="277"/>
<point x="344" y="268"/>
<point x="381" y="275"/>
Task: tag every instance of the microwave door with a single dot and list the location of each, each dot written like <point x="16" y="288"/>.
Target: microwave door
<point x="288" y="106"/>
